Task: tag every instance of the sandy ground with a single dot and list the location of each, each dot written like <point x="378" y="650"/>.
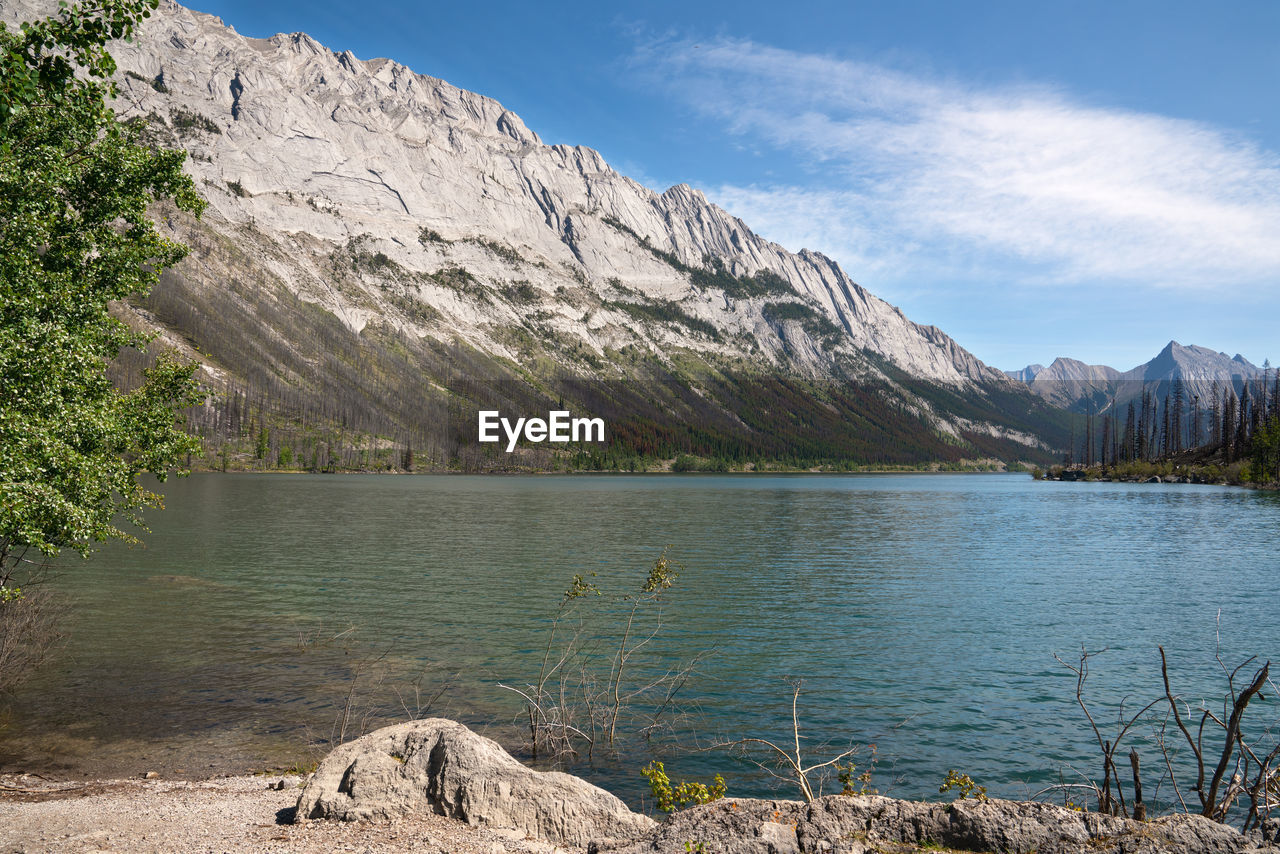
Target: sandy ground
<point x="227" y="814"/>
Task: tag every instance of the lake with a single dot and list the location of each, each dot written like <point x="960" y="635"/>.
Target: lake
<point x="922" y="613"/>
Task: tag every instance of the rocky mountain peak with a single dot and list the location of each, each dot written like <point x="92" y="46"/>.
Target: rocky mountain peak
<point x="1026" y="374"/>
<point x="1073" y="384"/>
<point x="392" y="199"/>
<point x="298" y="140"/>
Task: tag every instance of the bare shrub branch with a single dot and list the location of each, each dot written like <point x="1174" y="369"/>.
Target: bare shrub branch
<point x="582" y="696"/>
<point x="791" y="758"/>
<point x="1229" y="763"/>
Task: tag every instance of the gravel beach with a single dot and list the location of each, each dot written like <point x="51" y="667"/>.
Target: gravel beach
<point x="226" y="814"/>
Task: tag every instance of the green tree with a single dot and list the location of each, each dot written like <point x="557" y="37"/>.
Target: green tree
<point x="1264" y="451"/>
<point x="264" y="443"/>
<point x="75" y="187"/>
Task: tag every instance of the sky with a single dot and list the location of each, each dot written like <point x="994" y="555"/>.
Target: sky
<point x="1082" y="179"/>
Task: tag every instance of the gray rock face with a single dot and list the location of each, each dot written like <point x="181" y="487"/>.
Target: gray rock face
<point x="1025" y="375"/>
<point x="727" y="826"/>
<point x="440" y="766"/>
<point x="839" y="824"/>
<point x="310" y="149"/>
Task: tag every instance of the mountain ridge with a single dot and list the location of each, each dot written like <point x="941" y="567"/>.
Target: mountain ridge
<point x="422" y="216"/>
<point x="679" y="221"/>
<point x="1075" y="385"/>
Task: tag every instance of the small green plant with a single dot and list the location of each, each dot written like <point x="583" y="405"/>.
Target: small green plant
<point x="662" y="575"/>
<point x="854" y="783"/>
<point x="520" y="292"/>
<point x="10" y="594"/>
<point x="237" y="189"/>
<point x="692" y="847"/>
<point x="683" y="794"/>
<point x="963" y="784"/>
<point x="580" y="587"/>
<point x="458" y="279"/>
<point x="157" y="83"/>
<point x="186" y="122"/>
<point x="430" y="235"/>
<point x="297" y="769"/>
<point x="502" y="250"/>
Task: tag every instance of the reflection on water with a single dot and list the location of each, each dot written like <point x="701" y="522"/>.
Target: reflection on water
<point x="922" y="612"/>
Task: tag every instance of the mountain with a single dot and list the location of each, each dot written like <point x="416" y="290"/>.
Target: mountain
<point x="384" y="253"/>
<point x="1074" y="385"/>
<point x="1025" y="375"/>
<point x="1069" y="382"/>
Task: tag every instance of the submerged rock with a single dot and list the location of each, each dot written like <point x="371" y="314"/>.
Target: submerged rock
<point x="440" y="766"/>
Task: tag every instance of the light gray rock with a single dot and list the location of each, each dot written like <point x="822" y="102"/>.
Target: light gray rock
<point x="440" y="766"/>
<point x="726" y="826"/>
<point x="845" y="824"/>
<point x="837" y="823"/>
<point x="840" y="824"/>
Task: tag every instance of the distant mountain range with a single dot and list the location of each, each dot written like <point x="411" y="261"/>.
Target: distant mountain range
<point x="1073" y="385"/>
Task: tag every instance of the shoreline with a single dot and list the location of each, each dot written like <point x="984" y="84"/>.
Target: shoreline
<point x="1188" y="478"/>
<point x="256" y="815"/>
<point x="239" y="814"/>
<point x="433" y="785"/>
<point x="612" y="473"/>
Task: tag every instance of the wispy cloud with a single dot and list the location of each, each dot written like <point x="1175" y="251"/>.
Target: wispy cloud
<point x="916" y="175"/>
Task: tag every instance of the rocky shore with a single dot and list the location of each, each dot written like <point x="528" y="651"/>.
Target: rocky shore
<point x="435" y="786"/>
<point x="239" y="815"/>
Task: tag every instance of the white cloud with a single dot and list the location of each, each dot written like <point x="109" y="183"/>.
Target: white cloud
<point x="919" y="175"/>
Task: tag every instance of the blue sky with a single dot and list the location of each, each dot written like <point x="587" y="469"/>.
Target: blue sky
<point x="1089" y="179"/>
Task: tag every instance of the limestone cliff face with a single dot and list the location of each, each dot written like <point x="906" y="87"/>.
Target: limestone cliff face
<point x="380" y="245"/>
<point x="318" y="151"/>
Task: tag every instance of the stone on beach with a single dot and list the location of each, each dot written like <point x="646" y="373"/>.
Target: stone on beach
<point x="440" y="766"/>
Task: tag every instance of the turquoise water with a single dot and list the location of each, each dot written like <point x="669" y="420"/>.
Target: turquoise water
<point x="923" y="613"/>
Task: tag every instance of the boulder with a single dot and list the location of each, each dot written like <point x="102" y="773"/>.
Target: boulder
<point x="726" y="826"/>
<point x="440" y="766"/>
